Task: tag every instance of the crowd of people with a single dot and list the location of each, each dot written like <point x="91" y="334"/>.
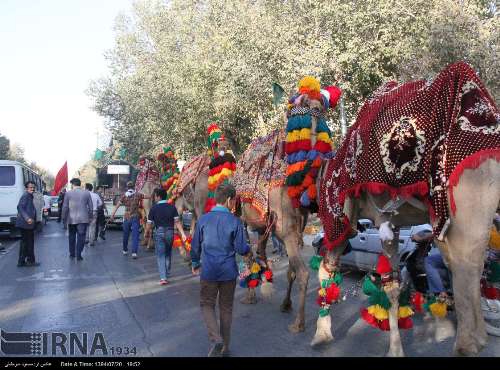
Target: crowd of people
<point x="218" y="237"/>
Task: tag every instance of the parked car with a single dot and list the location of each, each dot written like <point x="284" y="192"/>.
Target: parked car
<point x="110" y="206"/>
<point x="13" y="176"/>
<point x="186" y="220"/>
<point x="54" y="207"/>
<point x="367" y="246"/>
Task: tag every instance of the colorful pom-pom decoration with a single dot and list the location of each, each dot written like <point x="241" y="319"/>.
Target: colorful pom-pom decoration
<point x="377" y="314"/>
<point x="304" y="156"/>
<point x="255" y="274"/>
<point x="221" y="167"/>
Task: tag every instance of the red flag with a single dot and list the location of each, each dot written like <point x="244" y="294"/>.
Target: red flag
<point x="61" y="179"/>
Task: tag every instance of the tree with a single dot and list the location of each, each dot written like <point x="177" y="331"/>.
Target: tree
<point x="4" y="147"/>
<point x="178" y="65"/>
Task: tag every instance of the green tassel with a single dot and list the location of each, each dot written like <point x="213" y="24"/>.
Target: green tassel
<point x="494" y="274"/>
<point x="369" y="288"/>
<point x="315" y="262"/>
<point x="404" y="297"/>
<point x="428" y="302"/>
<point x="338" y="278"/>
<point x="324" y="312"/>
<point x="381" y="299"/>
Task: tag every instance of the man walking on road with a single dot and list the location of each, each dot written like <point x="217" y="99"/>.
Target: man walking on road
<point x="131" y="218"/>
<point x="26" y="221"/>
<point x="96" y="203"/>
<point x="218" y="236"/>
<point x="77" y="213"/>
<point x="101" y="217"/>
<point x="164" y="216"/>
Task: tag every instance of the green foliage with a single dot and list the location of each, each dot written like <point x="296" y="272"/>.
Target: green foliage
<point x="4" y="147"/>
<point x="178" y="65"/>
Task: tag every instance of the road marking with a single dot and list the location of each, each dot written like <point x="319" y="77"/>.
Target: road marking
<point x="53" y="235"/>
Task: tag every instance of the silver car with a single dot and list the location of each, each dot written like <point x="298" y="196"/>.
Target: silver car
<point x="367" y="246"/>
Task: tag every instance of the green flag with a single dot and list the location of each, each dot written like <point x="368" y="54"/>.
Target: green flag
<point x="98" y="154"/>
<point x="278" y="93"/>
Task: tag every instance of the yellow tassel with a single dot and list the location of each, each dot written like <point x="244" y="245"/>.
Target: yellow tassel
<point x="322" y="292"/>
<point x="379" y="312"/>
<point x="438" y="309"/>
<point x="494" y="239"/>
<point x="296" y="135"/>
<point x="255" y="268"/>
<point x="309" y="82"/>
<point x="226" y="172"/>
<point x="405" y="312"/>
<point x="323" y="136"/>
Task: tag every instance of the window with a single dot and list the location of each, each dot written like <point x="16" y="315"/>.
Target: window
<point x="25" y="175"/>
<point x="7" y="176"/>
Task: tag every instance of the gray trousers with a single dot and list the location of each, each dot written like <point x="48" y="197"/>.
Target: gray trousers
<point x="209" y="290"/>
<point x="91" y="235"/>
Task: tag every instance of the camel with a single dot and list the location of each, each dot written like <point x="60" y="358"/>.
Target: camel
<point x="473" y="197"/>
<point x="463" y="248"/>
<point x="146" y="182"/>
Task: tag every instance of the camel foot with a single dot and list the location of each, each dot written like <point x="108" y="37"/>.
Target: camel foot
<point x="323" y="331"/>
<point x="250" y="297"/>
<point x="396" y="352"/>
<point x="286" y="307"/>
<point x="469" y="351"/>
<point x="296" y="328"/>
<point x="322" y="338"/>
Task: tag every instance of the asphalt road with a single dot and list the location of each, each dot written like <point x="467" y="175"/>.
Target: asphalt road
<point x="121" y="298"/>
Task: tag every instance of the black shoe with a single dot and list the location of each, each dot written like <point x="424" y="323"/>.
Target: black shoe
<point x="21" y="264"/>
<point x="86" y="242"/>
<point x="33" y="264"/>
<point x="79" y="258"/>
<point x="71" y="256"/>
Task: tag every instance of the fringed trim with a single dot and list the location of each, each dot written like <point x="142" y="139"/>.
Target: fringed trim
<point x="335" y="243"/>
<point x="471" y="162"/>
<point x="420" y="188"/>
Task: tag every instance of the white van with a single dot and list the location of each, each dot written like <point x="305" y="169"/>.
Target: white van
<point x="13" y="175"/>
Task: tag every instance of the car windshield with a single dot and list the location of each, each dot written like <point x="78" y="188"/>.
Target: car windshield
<point x="7" y="176"/>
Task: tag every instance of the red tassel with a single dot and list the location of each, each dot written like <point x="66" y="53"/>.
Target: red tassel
<point x="405" y="323"/>
<point x="332" y="293"/>
<point x="383" y="265"/>
<point x="269" y="275"/>
<point x="384" y="325"/>
<point x="370" y="319"/>
<point x="418" y="301"/>
<point x="253" y="283"/>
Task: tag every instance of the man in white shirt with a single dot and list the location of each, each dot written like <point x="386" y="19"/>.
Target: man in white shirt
<point x="96" y="203"/>
<point x="46" y="201"/>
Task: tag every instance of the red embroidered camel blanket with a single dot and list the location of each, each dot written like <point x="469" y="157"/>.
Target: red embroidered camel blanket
<point x="260" y="169"/>
<point x="413" y="139"/>
<point x="191" y="171"/>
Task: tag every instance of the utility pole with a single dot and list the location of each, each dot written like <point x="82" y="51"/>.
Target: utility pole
<point x="342" y="117"/>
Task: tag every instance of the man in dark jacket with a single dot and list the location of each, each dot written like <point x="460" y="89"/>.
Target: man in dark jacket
<point x="26" y="221"/>
<point x="76" y="213"/>
<point x="218" y="236"/>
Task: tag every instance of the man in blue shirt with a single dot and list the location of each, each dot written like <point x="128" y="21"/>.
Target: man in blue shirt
<point x="164" y="216"/>
<point x="218" y="236"/>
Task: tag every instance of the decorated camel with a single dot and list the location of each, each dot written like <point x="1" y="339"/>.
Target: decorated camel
<point x="153" y="174"/>
<point x="420" y="152"/>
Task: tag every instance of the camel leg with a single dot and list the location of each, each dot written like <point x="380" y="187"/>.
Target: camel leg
<point x="324" y="324"/>
<point x="393" y="289"/>
<point x="286" y="306"/>
<point x="477" y="196"/>
<point x="302" y="275"/>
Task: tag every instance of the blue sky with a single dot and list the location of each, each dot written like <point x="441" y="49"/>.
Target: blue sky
<point x="49" y="52"/>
